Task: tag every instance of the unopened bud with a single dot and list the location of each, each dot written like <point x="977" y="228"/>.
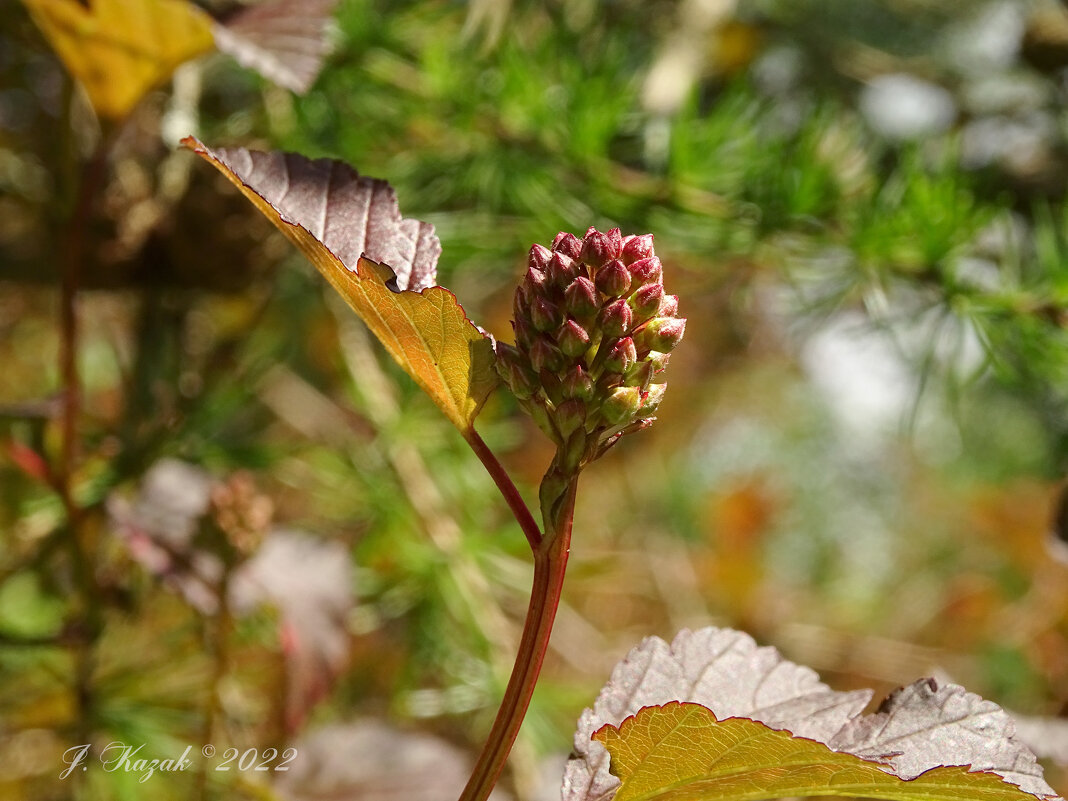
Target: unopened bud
<point x="568" y="244"/>
<point x="636" y="248"/>
<point x="669" y="306"/>
<point x="581" y="300"/>
<point x="535" y="282"/>
<point x="640" y="375"/>
<point x="572" y="339"/>
<point x="622" y="405"/>
<point x="544" y="314"/>
<point x="574" y="451"/>
<point x="659" y="361"/>
<point x="661" y="334"/>
<point x="646" y="301"/>
<point x="613" y="279"/>
<point x="562" y="270"/>
<point x="615" y="319"/>
<point x="578" y="384"/>
<point x="570" y="415"/>
<point x="524" y="332"/>
<point x="646" y="271"/>
<point x="651" y="399"/>
<point x="538" y="257"/>
<point x="621" y="356"/>
<point x="599" y="248"/>
<point x="544" y="355"/>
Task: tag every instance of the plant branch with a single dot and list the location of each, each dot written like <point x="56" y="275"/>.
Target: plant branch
<point x="508" y="490"/>
<point x="550" y="563"/>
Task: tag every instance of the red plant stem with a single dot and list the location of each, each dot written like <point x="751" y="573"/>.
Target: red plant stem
<point x="504" y="484"/>
<point x="550" y="563"/>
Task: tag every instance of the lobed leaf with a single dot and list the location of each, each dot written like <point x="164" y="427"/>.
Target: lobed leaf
<point x="120" y="49"/>
<point x="682" y="752"/>
<point x="918" y="729"/>
<point x="285" y="41"/>
<point x="384" y="266"/>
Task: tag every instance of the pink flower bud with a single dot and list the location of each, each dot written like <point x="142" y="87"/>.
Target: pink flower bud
<point x="544" y="355"/>
<point x="615" y="319"/>
<point x="613" y="279"/>
<point x="538" y="257"/>
<point x="599" y="248"/>
<point x="534" y="282"/>
<point x="544" y="314"/>
<point x="621" y="356"/>
<point x="572" y="339"/>
<point x="562" y="270"/>
<point x="581" y="300"/>
<point x="524" y="332"/>
<point x="646" y="301"/>
<point x="636" y="248"/>
<point x="568" y="244"/>
<point x="646" y="271"/>
<point x="669" y="306"/>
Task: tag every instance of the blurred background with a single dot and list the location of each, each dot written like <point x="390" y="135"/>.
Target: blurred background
<point x="278" y="541"/>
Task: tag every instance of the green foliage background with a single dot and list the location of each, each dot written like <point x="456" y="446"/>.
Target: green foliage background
<point x="859" y="456"/>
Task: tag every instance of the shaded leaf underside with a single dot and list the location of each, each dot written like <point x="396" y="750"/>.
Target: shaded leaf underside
<point x="681" y="752"/>
<point x="384" y="266"/>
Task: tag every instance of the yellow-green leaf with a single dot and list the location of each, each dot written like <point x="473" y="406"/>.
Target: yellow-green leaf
<point x="349" y="227"/>
<point x="120" y="49"/>
<point x="681" y="752"/>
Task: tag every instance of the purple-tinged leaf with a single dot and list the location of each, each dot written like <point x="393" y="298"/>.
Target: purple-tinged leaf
<point x="383" y="265"/>
<point x="285" y="40"/>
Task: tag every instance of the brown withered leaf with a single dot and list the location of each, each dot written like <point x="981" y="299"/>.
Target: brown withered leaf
<point x="383" y="265"/>
<point x="285" y="41"/>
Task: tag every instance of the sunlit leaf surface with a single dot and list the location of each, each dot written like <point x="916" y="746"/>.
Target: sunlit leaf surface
<point x="681" y="751"/>
<point x="384" y="266"/>
<point x="120" y="49"/>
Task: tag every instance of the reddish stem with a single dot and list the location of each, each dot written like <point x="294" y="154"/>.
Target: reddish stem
<point x="504" y="484"/>
<point x="550" y="562"/>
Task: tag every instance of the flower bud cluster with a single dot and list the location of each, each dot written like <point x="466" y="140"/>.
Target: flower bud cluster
<point x="593" y="329"/>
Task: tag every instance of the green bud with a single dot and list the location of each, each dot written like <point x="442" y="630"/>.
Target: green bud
<point x="660" y="334"/>
<point x="640" y="375"/>
<point x="519" y="378"/>
<point x="569" y="416"/>
<point x="578" y="384"/>
<point x="572" y="339"/>
<point x="613" y="279"/>
<point x="651" y="399"/>
<point x="574" y="450"/>
<point x="659" y="361"/>
<point x="622" y="405"/>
